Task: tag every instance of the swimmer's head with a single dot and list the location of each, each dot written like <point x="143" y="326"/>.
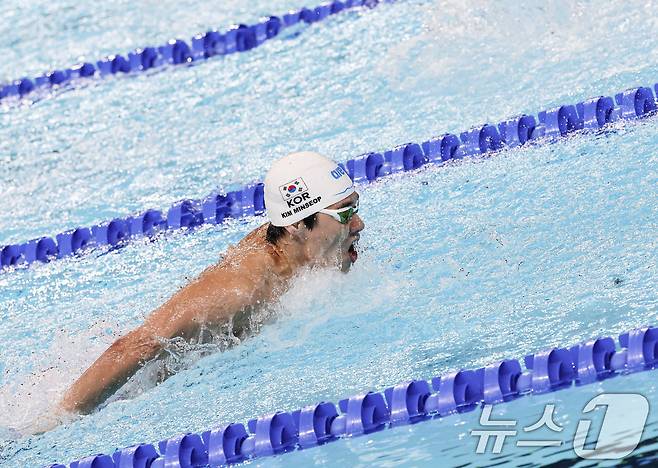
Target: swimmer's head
<point x="312" y="202"/>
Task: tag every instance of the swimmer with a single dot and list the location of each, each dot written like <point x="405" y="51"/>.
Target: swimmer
<point x="312" y="207"/>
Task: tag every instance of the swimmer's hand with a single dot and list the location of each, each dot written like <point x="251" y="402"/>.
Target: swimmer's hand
<point x="46" y="422"/>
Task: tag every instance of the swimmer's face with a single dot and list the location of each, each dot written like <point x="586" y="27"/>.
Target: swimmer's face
<point x="332" y="243"/>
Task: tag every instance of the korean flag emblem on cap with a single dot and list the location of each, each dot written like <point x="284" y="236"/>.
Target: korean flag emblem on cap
<point x="292" y="188"/>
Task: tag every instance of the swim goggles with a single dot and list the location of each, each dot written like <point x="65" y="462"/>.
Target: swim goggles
<point x="343" y="215"/>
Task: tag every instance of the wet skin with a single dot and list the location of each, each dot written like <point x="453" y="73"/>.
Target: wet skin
<point x="250" y="275"/>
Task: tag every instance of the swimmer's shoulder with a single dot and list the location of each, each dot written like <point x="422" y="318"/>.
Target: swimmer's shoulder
<point x="259" y="252"/>
<point x="255" y="238"/>
<point x="253" y="252"/>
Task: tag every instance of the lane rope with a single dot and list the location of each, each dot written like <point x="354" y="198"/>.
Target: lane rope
<point x="237" y="38"/>
<point x="550" y="125"/>
<point x="408" y="402"/>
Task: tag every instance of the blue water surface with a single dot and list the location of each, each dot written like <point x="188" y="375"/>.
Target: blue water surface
<point x="460" y="264"/>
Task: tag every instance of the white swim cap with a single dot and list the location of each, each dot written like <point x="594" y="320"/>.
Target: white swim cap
<point x="301" y="184"/>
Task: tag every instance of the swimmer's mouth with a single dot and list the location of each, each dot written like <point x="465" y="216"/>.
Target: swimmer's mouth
<point x="352" y="252"/>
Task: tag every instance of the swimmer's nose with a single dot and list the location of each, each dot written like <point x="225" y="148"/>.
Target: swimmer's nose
<point x="356" y="224"/>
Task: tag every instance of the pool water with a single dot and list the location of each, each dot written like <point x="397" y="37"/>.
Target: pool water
<point x="460" y="264"/>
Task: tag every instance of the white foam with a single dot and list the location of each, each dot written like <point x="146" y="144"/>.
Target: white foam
<point x="317" y="296"/>
<point x="28" y="403"/>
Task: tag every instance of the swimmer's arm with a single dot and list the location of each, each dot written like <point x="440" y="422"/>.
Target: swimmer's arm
<point x="217" y="294"/>
<point x="111" y="370"/>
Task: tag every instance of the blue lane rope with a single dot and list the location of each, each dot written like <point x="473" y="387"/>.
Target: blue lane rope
<point x="550" y="125"/>
<point x="238" y="38"/>
<point x="408" y="402"/>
